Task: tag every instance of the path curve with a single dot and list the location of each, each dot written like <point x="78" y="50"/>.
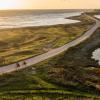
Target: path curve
<point x="52" y="53"/>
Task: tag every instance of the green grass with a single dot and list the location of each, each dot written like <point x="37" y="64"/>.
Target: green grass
<point x="22" y="43"/>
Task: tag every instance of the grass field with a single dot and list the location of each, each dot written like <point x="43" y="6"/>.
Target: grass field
<point x="21" y="43"/>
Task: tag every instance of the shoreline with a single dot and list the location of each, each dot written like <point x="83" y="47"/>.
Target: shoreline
<point x="36" y="27"/>
<point x="42" y="21"/>
<point x="73" y="18"/>
<point x="46" y="26"/>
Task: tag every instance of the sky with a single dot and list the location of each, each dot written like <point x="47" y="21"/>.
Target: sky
<point x="49" y="4"/>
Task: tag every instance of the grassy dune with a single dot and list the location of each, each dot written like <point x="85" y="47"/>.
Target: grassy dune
<point x="73" y="75"/>
<point x="74" y="69"/>
<point x="21" y="43"/>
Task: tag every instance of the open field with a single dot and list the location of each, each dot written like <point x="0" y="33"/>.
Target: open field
<point x="21" y="43"/>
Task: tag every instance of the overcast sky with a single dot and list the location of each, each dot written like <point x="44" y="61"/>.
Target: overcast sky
<point x="49" y="4"/>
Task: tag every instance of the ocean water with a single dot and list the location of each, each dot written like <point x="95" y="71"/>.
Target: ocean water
<point x="14" y="19"/>
<point x="96" y="55"/>
<point x="97" y="16"/>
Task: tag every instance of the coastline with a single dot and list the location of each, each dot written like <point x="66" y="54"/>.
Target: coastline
<point x="20" y="19"/>
<point x="56" y="36"/>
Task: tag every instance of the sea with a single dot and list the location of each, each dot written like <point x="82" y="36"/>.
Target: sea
<point x="31" y="18"/>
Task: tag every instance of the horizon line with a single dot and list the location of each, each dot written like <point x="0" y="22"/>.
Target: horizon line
<point x="54" y="9"/>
